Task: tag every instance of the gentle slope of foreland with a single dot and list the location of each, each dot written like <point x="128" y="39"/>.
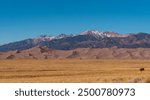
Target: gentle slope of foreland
<point x="74" y="70"/>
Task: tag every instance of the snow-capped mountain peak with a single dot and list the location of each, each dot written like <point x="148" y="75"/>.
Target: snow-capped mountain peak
<point x="91" y="32"/>
<point x="96" y="33"/>
<point x="102" y="34"/>
<point x="43" y="38"/>
<point x="60" y="36"/>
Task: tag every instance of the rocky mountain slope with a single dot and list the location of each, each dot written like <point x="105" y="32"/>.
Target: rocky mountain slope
<point x="87" y="39"/>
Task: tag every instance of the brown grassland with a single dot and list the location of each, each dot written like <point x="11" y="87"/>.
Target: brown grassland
<point x="74" y="70"/>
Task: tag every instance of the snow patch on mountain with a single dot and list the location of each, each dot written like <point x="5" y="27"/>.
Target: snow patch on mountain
<point x="60" y="36"/>
<point x="96" y="34"/>
<point x="102" y="34"/>
<point x="43" y="38"/>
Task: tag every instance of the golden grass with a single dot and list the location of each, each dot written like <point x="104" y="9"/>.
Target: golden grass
<point x="74" y="71"/>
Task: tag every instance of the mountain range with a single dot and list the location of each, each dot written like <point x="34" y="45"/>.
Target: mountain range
<point x="87" y="39"/>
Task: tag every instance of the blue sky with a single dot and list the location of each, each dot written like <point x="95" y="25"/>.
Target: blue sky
<point x="21" y="19"/>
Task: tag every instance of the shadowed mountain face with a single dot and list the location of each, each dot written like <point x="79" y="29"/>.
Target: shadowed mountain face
<point x="88" y="39"/>
<point x="80" y="53"/>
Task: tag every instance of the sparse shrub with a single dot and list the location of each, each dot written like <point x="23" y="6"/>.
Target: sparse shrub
<point x="141" y="69"/>
<point x="137" y="80"/>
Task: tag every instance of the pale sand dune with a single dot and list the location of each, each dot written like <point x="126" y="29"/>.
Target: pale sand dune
<point x="80" y="53"/>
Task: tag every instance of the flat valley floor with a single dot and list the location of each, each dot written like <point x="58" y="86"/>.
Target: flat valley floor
<point x="74" y="70"/>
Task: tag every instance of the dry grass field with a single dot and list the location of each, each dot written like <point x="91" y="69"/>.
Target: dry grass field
<point x="115" y="71"/>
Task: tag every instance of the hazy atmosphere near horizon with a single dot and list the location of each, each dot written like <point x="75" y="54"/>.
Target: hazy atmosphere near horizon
<point x="21" y="19"/>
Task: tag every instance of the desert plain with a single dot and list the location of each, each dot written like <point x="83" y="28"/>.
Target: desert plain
<point x="74" y="71"/>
